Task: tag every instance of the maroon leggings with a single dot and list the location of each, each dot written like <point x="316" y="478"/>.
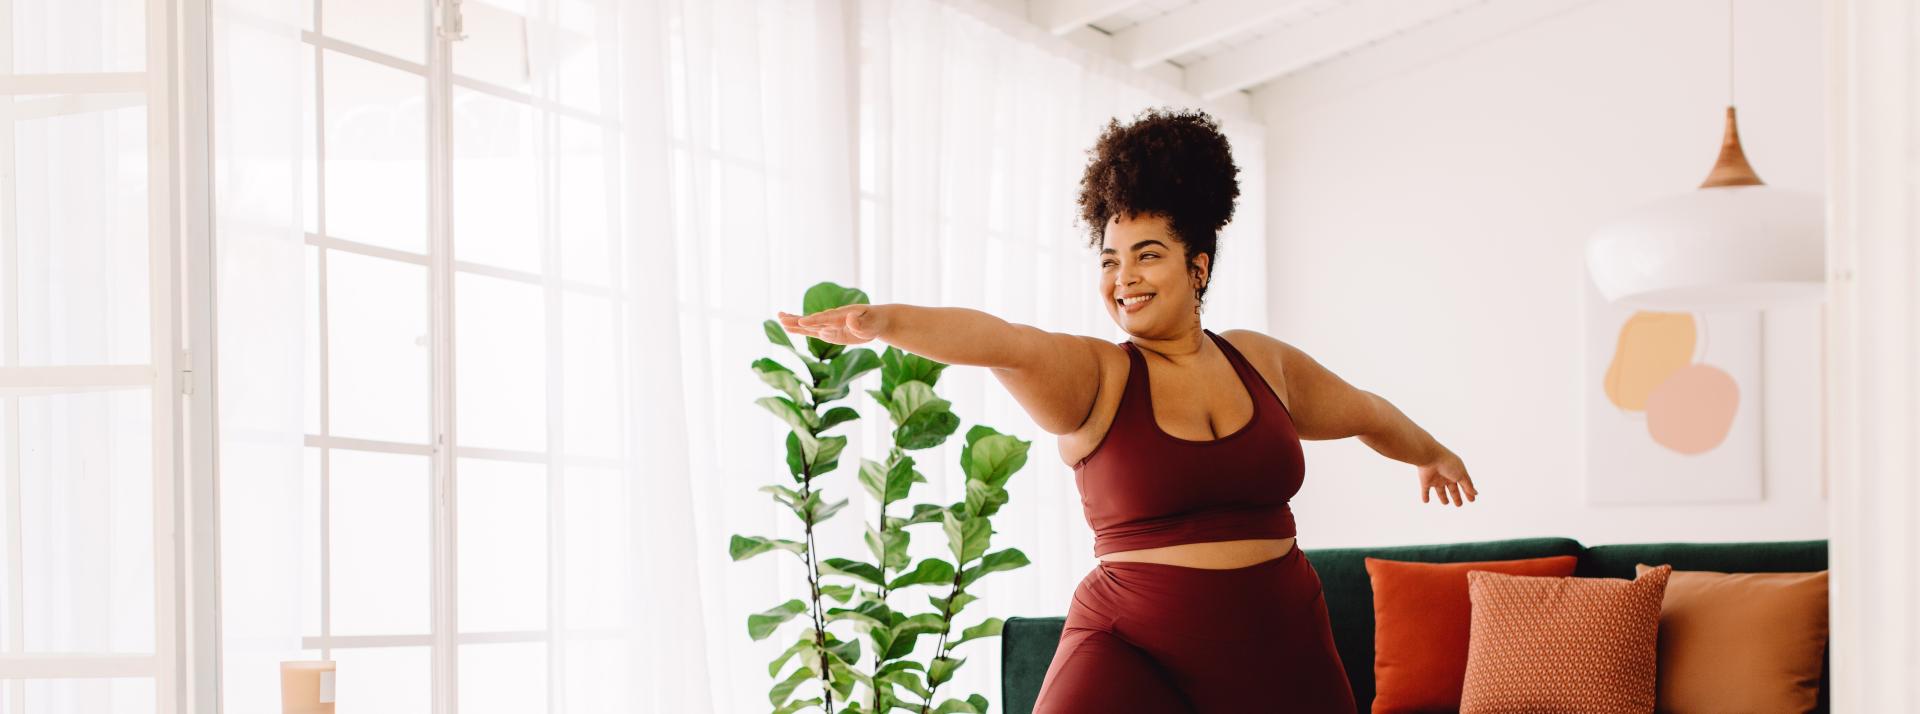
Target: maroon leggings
<point x="1153" y="637"/>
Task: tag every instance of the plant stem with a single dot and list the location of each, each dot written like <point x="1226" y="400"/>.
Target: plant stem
<point x="940" y="647"/>
<point x="813" y="584"/>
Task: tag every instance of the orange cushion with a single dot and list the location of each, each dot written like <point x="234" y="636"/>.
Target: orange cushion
<point x="1562" y="644"/>
<point x="1420" y="613"/>
<point x="1742" y="642"/>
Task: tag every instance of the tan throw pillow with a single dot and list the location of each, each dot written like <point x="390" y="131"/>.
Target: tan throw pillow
<point x="1741" y="642"/>
<point x="1544" y="645"/>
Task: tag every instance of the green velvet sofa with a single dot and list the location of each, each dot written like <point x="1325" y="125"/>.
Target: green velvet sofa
<point x="1027" y="643"/>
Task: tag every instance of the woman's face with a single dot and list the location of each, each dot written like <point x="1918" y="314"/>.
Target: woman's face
<point x="1144" y="265"/>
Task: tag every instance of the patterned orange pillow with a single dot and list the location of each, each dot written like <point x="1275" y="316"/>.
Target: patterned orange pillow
<point x="1420" y="613"/>
<point x="1545" y="645"/>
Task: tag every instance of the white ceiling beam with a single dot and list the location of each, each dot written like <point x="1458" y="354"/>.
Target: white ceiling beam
<point x="1430" y="44"/>
<point x="1198" y="25"/>
<point x="1063" y="16"/>
<point x="1330" y="34"/>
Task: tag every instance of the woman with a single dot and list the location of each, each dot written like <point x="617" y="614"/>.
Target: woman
<point x="1185" y="446"/>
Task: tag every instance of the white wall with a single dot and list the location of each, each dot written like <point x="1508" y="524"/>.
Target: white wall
<point x="1427" y="229"/>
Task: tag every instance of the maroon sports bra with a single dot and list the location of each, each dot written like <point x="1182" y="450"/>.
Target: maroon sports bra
<point x="1144" y="488"/>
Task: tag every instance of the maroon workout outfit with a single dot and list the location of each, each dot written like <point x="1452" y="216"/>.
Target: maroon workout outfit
<point x="1154" y="637"/>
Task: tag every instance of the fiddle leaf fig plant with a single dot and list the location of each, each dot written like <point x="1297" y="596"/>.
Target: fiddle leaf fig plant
<point x="863" y="587"/>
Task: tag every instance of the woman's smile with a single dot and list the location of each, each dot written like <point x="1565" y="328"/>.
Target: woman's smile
<point x="1134" y="303"/>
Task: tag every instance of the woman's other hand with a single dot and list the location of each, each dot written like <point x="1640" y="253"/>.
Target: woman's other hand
<point x="1448" y="476"/>
<point x="845" y="325"/>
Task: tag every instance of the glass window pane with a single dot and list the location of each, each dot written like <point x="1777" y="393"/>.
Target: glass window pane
<point x="505" y="678"/>
<point x="380" y="534"/>
<point x="503" y="546"/>
<point x="376" y="153"/>
<point x="570" y="54"/>
<point x="383" y="680"/>
<point x="394" y="27"/>
<point x="496" y="190"/>
<point x="377" y="348"/>
<point x="58" y="36"/>
<point x="596" y="521"/>
<point x="82" y="229"/>
<point x="86" y="502"/>
<point x="89" y="696"/>
<point x="495" y="50"/>
<point x="590" y="374"/>
<point x="581" y="204"/>
<point x="501" y="363"/>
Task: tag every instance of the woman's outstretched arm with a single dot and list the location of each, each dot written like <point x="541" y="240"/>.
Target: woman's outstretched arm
<point x="1327" y="407"/>
<point x="1054" y="376"/>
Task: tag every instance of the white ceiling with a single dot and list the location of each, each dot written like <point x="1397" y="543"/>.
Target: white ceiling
<point x="1215" y="48"/>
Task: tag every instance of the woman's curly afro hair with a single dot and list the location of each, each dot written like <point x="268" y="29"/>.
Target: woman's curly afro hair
<point x="1171" y="163"/>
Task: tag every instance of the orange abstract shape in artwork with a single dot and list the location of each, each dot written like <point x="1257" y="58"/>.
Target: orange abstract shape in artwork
<point x="1692" y="411"/>
<point x="1652" y="347"/>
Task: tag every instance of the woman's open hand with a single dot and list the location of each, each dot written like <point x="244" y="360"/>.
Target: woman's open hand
<point x="845" y="325"/>
<point x="1448" y="476"/>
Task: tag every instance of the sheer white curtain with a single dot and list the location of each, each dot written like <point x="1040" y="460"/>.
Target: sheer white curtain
<point x="559" y="374"/>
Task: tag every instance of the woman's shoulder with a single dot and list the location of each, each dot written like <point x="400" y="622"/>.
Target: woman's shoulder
<point x="1268" y="355"/>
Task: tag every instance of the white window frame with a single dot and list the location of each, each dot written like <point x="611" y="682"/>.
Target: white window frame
<point x="74" y="93"/>
<point x="445" y="637"/>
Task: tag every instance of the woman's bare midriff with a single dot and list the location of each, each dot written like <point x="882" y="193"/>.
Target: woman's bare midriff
<point x="1218" y="555"/>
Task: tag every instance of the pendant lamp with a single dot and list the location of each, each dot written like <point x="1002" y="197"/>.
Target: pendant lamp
<point x="1733" y="243"/>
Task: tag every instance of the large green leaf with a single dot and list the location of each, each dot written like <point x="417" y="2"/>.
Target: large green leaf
<point x="836" y="416"/>
<point x="908" y="631"/>
<point x="798" y="646"/>
<point x="924" y="420"/>
<point x="744" y="547"/>
<point x="854" y="614"/>
<point x="926" y="513"/>
<point x="1008" y="559"/>
<point x="784" y="689"/>
<point x="848" y="651"/>
<point x="942" y="669"/>
<point x="908" y="679"/>
<point x="798" y="704"/>
<point x="827" y="457"/>
<point x="852" y="568"/>
<point x="898" y="367"/>
<point x="968" y="538"/>
<point x="984" y="499"/>
<point x="827" y="295"/>
<point x="956" y="706"/>
<point x="783" y="494"/>
<point x="988" y="628"/>
<point x="837" y="593"/>
<point x="873" y="477"/>
<point x="761" y="624"/>
<point x="901" y="478"/>
<point x="927" y="572"/>
<point x="819" y="514"/>
<point x="788" y="411"/>
<point x="777" y="375"/>
<point x="843" y="371"/>
<point x="991" y="456"/>
<point x="960" y="601"/>
<point x="889" y="547"/>
<point x="796" y="457"/>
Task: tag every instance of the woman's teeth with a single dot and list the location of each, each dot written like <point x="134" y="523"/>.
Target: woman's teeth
<point x="1135" y="300"/>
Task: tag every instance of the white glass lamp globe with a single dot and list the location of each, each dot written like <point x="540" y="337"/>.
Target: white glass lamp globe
<point x="1717" y="248"/>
